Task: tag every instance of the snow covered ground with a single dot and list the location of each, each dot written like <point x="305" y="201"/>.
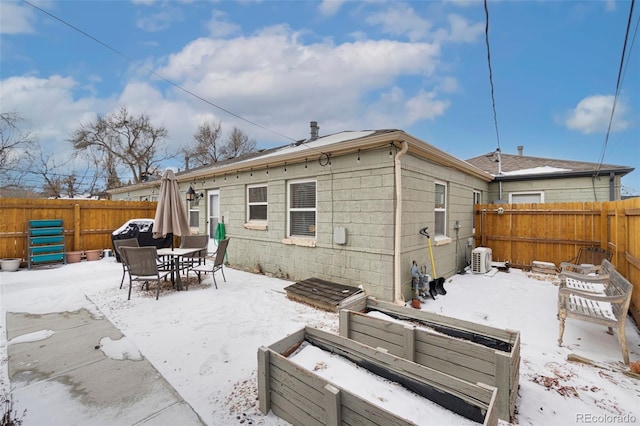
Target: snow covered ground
<point x="205" y="341"/>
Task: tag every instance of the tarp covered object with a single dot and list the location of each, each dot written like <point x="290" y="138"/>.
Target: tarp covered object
<point x="171" y="217"/>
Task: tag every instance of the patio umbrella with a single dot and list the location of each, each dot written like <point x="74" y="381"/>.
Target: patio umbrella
<point x="171" y="218"/>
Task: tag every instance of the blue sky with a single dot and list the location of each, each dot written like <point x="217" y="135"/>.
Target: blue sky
<point x="419" y="66"/>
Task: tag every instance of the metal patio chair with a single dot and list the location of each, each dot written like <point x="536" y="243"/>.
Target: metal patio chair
<point x="117" y="245"/>
<point x="143" y="266"/>
<point x="217" y="265"/>
<point x="194" y="241"/>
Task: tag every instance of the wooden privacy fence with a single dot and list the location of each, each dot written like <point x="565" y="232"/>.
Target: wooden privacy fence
<point x="554" y="232"/>
<point x="88" y="224"/>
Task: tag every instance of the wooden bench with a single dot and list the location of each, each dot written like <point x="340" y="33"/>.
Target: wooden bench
<point x="608" y="309"/>
<point x="592" y="279"/>
<point x="588" y="260"/>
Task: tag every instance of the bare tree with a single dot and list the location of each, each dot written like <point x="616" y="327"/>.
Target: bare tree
<point x="64" y="179"/>
<point x="121" y="139"/>
<point x="15" y="145"/>
<point x="238" y="144"/>
<point x="205" y="149"/>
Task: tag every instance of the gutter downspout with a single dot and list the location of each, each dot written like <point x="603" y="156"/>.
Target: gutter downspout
<point x="612" y="186"/>
<point x="397" y="275"/>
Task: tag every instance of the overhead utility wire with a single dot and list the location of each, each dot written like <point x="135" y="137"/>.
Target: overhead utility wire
<point x="158" y="75"/>
<point x="618" y="84"/>
<point x="493" y="100"/>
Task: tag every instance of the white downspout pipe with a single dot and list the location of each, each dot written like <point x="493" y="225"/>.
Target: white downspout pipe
<point x="397" y="271"/>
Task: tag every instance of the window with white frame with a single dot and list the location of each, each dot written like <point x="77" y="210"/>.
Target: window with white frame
<point x="257" y="203"/>
<point x="194" y="215"/>
<point x="477" y="199"/>
<point x="440" y="209"/>
<point x="526" y="197"/>
<point x="301" y="209"/>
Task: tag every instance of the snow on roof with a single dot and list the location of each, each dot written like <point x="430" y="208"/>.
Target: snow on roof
<point x="319" y="143"/>
<point x="535" y="171"/>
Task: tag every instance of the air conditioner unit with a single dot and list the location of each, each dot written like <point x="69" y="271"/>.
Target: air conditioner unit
<point x="481" y="260"/>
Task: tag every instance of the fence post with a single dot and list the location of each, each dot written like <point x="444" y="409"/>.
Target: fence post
<point x="332" y="405"/>
<point x="76" y="226"/>
<point x="344" y="323"/>
<point x="264" y="380"/>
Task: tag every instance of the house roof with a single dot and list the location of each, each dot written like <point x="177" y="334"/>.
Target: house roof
<point x="521" y="167"/>
<point x="334" y="145"/>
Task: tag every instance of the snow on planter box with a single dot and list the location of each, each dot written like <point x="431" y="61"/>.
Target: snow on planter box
<point x="313" y="377"/>
<point x="463" y="349"/>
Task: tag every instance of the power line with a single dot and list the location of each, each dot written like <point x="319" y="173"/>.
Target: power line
<point x="493" y="100"/>
<point x="618" y="84"/>
<point x="157" y="74"/>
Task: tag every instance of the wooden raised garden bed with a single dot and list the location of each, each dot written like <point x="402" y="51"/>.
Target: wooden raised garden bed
<point x="302" y="397"/>
<point x="463" y="349"/>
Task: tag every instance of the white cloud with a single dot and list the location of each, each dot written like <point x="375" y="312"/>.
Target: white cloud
<point x="273" y="65"/>
<point x="610" y="5"/>
<point x="592" y="115"/>
<point x="448" y="85"/>
<point x="161" y="20"/>
<point x="15" y="18"/>
<point x="330" y="7"/>
<point x="460" y="30"/>
<point x="270" y="77"/>
<point x="34" y="99"/>
<point x="393" y="109"/>
<point x="464" y="3"/>
<point x="400" y="19"/>
<point x="220" y="26"/>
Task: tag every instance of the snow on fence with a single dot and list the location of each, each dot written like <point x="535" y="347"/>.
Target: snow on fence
<point x="463" y="349"/>
<point x="300" y="396"/>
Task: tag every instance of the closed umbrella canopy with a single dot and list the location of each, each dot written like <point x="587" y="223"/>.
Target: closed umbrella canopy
<point x="171" y="217"/>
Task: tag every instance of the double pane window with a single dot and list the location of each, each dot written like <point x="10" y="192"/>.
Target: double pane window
<point x="257" y="203"/>
<point x="302" y="209"/>
<point x="440" y="209"/>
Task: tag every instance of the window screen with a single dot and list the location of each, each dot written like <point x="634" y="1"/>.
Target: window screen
<point x="257" y="202"/>
<point x="302" y="209"/>
<point x="440" y="209"/>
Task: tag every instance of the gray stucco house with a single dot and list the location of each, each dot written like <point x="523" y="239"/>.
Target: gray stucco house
<point x="523" y="179"/>
<point x="345" y="207"/>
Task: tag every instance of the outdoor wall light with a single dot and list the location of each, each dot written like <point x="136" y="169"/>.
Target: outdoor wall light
<point x="192" y="196"/>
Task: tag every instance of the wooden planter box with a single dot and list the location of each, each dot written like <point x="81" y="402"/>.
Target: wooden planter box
<point x="463" y="349"/>
<point x="301" y="397"/>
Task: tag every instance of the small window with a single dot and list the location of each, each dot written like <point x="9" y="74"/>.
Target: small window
<point x="477" y="199"/>
<point x="526" y="197"/>
<point x="302" y="209"/>
<point x="257" y="203"/>
<point x="440" y="209"/>
<point x="194" y="215"/>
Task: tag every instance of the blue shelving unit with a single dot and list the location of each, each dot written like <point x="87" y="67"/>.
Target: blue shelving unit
<point x="46" y="242"/>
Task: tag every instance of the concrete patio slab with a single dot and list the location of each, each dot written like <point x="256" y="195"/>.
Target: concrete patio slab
<point x="59" y="370"/>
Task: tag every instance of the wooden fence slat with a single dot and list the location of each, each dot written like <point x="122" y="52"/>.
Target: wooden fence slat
<point x="88" y="223"/>
<point x="554" y="232"/>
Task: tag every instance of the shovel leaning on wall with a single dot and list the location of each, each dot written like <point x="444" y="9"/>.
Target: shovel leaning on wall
<point x="436" y="286"/>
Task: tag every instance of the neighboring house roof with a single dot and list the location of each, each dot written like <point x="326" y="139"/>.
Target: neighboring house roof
<point x="520" y="167"/>
<point x="333" y="145"/>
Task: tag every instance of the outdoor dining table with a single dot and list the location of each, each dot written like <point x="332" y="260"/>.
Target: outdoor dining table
<point x="176" y="254"/>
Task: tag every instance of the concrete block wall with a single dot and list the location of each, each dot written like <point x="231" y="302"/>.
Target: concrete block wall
<point x="359" y="196"/>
